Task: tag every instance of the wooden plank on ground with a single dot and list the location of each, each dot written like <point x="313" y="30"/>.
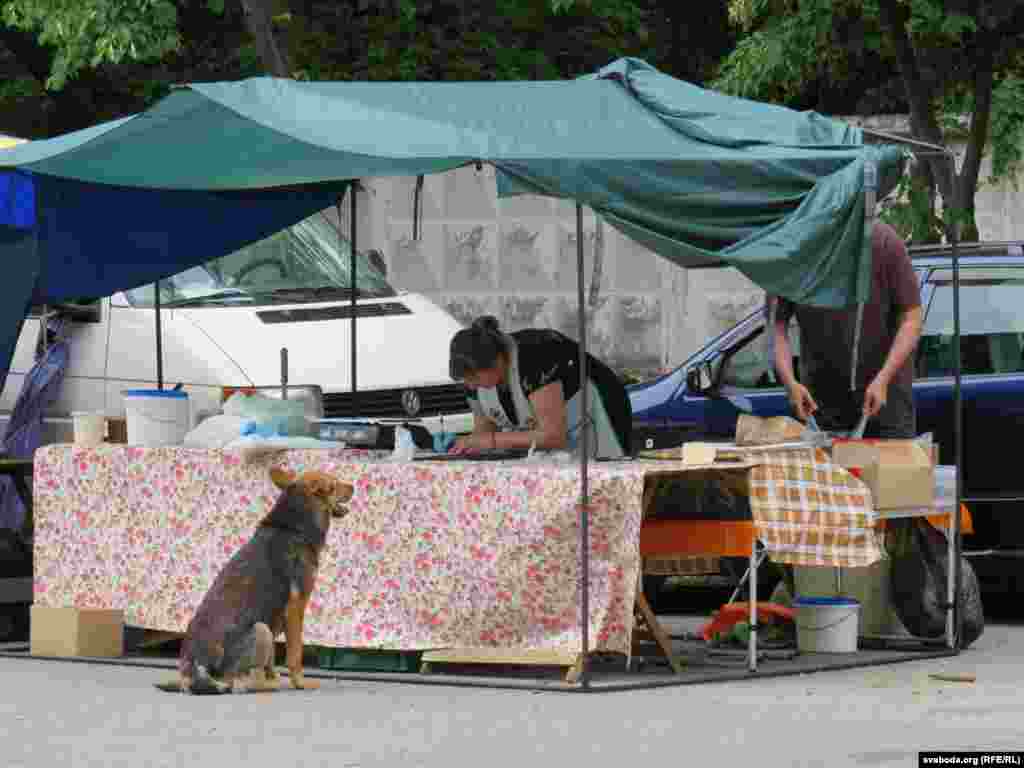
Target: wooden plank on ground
<point x="537" y="657"/>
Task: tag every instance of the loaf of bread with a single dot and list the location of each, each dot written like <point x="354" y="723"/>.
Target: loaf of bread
<point x="755" y="430"/>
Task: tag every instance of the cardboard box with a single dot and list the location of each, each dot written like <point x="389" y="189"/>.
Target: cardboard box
<point x="91" y="632"/>
<point x="117" y="431"/>
<point x="900" y="473"/>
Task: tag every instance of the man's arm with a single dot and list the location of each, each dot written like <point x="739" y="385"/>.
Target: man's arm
<point x="905" y="294"/>
<point x="903" y="347"/>
<point x="799" y="396"/>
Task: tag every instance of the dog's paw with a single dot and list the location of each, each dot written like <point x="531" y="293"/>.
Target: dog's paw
<point x="262" y="682"/>
<point x="299" y="682"/>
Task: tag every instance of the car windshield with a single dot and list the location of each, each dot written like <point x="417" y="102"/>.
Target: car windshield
<point x="309" y="261"/>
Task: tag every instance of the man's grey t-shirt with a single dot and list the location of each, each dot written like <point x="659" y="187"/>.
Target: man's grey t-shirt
<point x="827" y="337"/>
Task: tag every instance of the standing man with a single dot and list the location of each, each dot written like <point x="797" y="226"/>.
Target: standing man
<point x="889" y="334"/>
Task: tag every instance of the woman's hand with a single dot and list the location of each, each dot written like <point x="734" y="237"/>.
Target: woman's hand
<point x="474" y="443"/>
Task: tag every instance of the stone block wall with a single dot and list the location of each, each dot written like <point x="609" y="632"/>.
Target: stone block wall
<point x="517" y="259"/>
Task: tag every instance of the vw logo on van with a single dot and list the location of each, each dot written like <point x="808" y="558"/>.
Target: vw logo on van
<point x="411" y="402"/>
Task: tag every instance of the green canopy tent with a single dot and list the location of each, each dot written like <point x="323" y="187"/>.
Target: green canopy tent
<point x="700" y="178"/>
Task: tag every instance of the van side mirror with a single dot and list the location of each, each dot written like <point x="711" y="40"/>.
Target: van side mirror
<point x="377" y="260"/>
<point x="700" y="379"/>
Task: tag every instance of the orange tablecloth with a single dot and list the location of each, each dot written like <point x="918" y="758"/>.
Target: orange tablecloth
<point x="729" y="538"/>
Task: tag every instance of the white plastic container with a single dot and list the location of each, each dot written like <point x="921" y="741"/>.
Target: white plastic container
<point x="156" y="417"/>
<point x="90" y="428"/>
<point x="826" y="624"/>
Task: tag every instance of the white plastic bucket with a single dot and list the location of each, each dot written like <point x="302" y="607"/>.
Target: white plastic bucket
<point x="156" y="417"/>
<point x="90" y="428"/>
<point x="826" y="624"/>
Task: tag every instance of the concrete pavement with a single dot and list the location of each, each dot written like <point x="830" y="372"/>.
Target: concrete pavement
<point x="71" y="715"/>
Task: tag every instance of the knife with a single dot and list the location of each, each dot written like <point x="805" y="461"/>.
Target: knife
<point x="858" y="433"/>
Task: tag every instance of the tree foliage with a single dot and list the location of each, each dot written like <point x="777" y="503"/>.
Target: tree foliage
<point x="90" y="33"/>
<point x="65" y="64"/>
<point x="951" y="57"/>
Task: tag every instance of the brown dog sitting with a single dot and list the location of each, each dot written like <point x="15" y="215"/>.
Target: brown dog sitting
<point x="262" y="591"/>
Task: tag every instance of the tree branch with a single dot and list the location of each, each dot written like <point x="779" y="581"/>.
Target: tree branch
<point x="34" y="58"/>
<point x="1011" y="26"/>
<point x="919" y="93"/>
<point x="259" y="18"/>
<point x="984" y="60"/>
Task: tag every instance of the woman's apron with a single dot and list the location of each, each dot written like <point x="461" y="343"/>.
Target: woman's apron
<point x="602" y="438"/>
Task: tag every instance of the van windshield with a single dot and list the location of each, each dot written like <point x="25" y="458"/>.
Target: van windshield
<point x="305" y="262"/>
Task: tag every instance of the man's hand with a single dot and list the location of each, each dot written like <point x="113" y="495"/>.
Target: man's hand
<point x="876" y="395"/>
<point x="801" y="400"/>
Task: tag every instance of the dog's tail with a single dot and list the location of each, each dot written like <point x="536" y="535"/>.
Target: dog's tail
<point x="200" y="683"/>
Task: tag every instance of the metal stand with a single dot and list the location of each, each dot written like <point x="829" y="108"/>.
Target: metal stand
<point x="953" y="608"/>
<point x="159" y="337"/>
<point x="754" y="565"/>
<point x="284" y="373"/>
<point x="752" y="659"/>
<point x="353" y="188"/>
<point x="584" y="676"/>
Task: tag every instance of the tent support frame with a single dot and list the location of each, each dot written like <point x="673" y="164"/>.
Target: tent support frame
<point x="584" y="443"/>
<point x="159" y="337"/>
<point x="353" y="188"/>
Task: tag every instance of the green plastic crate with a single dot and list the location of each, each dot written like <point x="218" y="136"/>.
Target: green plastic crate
<point x="369" y="660"/>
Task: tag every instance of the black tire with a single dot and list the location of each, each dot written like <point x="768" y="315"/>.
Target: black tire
<point x="652" y="590"/>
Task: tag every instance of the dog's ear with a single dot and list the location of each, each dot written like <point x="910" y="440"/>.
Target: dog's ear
<point x="282" y="478"/>
<point x="344" y="490"/>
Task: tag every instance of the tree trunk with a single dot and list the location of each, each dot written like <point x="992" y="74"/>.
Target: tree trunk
<point x="957" y="189"/>
<point x="983" y="54"/>
<point x="259" y="19"/>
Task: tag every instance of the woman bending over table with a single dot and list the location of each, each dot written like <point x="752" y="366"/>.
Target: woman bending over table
<point x="524" y="390"/>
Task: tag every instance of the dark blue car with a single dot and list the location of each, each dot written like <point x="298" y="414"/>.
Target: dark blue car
<point x="701" y="399"/>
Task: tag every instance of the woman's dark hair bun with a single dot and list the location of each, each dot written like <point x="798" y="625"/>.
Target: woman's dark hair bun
<point x="488" y="323"/>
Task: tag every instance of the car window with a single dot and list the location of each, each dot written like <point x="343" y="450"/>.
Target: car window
<point x="751" y="364"/>
<point x="78" y="310"/>
<point x="991" y="323"/>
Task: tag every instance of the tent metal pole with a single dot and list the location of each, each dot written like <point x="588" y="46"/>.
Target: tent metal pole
<point x="954" y="615"/>
<point x="353" y="187"/>
<point x="928" y="148"/>
<point x="584" y="443"/>
<point x="159" y="337"/>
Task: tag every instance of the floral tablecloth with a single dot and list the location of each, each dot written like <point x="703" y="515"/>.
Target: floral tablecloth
<point x="432" y="555"/>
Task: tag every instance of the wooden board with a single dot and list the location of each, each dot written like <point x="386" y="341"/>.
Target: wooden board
<point x="502" y="656"/>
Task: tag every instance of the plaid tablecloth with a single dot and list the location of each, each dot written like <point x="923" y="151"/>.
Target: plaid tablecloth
<point x="809" y="511"/>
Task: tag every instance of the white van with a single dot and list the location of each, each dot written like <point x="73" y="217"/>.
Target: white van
<point x="225" y="323"/>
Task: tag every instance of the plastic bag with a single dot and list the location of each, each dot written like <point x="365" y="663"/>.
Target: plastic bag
<point x="215" y="431"/>
<point x="919" y="582"/>
<point x="405" y="448"/>
<point x="269" y="415"/>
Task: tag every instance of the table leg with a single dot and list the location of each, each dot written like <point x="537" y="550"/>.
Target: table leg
<point x="951" y="584"/>
<point x="752" y="663"/>
<point x="26" y="498"/>
<point x="660" y="635"/>
<point x="650" y="491"/>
